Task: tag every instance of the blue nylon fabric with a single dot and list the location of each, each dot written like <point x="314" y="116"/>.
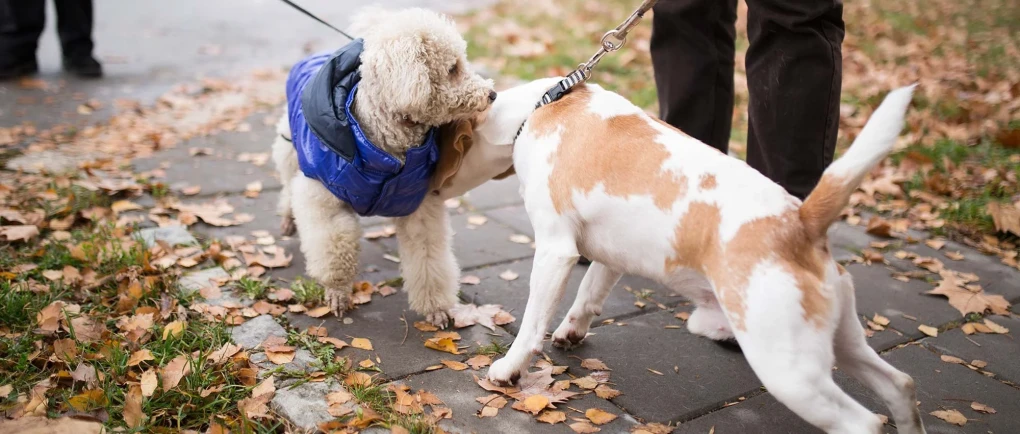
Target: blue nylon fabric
<point x="332" y="148"/>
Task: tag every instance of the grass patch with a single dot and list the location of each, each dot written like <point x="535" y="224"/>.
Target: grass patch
<point x="253" y="288"/>
<point x="307" y="291"/>
<point x="494" y="348"/>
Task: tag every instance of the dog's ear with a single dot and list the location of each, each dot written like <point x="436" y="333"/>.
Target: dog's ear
<point x="455" y="140"/>
<point x="402" y="59"/>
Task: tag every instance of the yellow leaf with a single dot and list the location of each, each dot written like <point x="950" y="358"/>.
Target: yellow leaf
<point x="281" y="354"/>
<point x="425" y="326"/>
<point x="124" y="205"/>
<point x="442" y="344"/>
<point x="367" y="363"/>
<point x="584" y="428"/>
<point x="995" y="327"/>
<point x="880" y="320"/>
<point x="599" y="417"/>
<point x="174" y="329"/>
<point x="361" y="343"/>
<point x="358" y="379"/>
<point x="928" y="330"/>
<point x="951" y="359"/>
<point x="981" y="408"/>
<point x="606" y="392"/>
<point x="139" y="357"/>
<point x="133" y="415"/>
<point x="532" y="404"/>
<point x="552" y="417"/>
<point x="456" y="366"/>
<point x="318" y="312"/>
<point x="88" y="400"/>
<point x="337" y="343"/>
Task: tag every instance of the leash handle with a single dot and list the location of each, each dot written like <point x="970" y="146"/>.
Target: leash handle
<point x="615" y="39"/>
<point x="312" y="16"/>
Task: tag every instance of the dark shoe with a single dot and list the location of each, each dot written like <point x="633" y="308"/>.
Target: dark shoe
<point x="83" y="66"/>
<point x="18" y="70"/>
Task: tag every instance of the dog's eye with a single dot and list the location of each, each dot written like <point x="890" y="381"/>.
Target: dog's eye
<point x="454" y="68"/>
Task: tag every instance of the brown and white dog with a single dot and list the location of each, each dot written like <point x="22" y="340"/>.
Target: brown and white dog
<point x="601" y="178"/>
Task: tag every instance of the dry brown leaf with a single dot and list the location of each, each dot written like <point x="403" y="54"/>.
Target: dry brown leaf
<point x="281" y="354"/>
<point x="318" y="312"/>
<point x="605" y="392"/>
<point x="586" y="382"/>
<point x="465" y="315"/>
<point x="493" y="400"/>
<point x="584" y="428"/>
<point x="139" y="357"/>
<point x="935" y="244"/>
<point x="362" y="343"/>
<point x="65" y="349"/>
<point x="133" y="415"/>
<point x="280" y="259"/>
<point x="174" y="329"/>
<point x="967" y="301"/>
<point x="454" y="365"/>
<point x="442" y="344"/>
<point x="480" y="361"/>
<point x="532" y="404"/>
<point x="18" y="232"/>
<point x="956" y="256"/>
<point x="520" y="239"/>
<point x="978" y="363"/>
<point x="337" y="343"/>
<point x="594" y="365"/>
<point x="995" y="328"/>
<point x="879" y="226"/>
<point x="358" y="379"/>
<point x="599" y="417"/>
<point x="928" y="330"/>
<point x="470" y="280"/>
<point x="425" y="326"/>
<point x="488" y="412"/>
<point x="477" y="220"/>
<point x="88" y="400"/>
<point x="174" y="371"/>
<point x="951" y="359"/>
<point x="148" y="382"/>
<point x="880" y="320"/>
<point x="552" y="417"/>
<point x="952" y="416"/>
<point x="509" y="275"/>
<point x="385" y="232"/>
<point x="1006" y="217"/>
<point x="683" y="316"/>
<point x="982" y="408"/>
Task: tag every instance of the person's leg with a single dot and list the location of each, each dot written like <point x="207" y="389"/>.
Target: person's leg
<point x="794" y="72"/>
<point x="74" y="24"/>
<point x="21" y="23"/>
<point x="692" y="51"/>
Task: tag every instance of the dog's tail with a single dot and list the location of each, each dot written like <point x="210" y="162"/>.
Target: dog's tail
<point x="841" y="178"/>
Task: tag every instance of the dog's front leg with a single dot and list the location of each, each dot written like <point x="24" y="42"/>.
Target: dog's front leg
<point x="554" y="257"/>
<point x="427" y="263"/>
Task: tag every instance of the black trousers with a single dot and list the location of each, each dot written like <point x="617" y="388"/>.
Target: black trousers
<point x="22" y="22"/>
<point x="794" y="72"/>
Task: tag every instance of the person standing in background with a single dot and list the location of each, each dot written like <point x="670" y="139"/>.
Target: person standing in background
<point x="21" y="24"/>
<point x="794" y="72"/>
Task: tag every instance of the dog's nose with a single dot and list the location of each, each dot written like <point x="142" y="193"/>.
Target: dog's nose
<point x="492" y="95"/>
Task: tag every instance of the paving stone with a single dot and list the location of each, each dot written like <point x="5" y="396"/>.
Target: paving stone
<point x="940" y="385"/>
<point x="710" y="373"/>
<point x="305" y="405"/>
<point x="1000" y="351"/>
<point x="878" y="292"/>
<point x="516" y="217"/>
<point x="486" y="244"/>
<point x="197" y="280"/>
<point x="231" y="176"/>
<point x="254" y="331"/>
<point x="513" y="295"/>
<point x="173" y="235"/>
<point x="458" y="391"/>
<point x="495" y="194"/>
<point x="49" y="161"/>
<point x="380" y="321"/>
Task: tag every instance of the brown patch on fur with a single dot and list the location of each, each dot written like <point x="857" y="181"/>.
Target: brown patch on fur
<point x="619" y="153"/>
<point x="782" y="239"/>
<point x="707" y="181"/>
<point x="823" y="206"/>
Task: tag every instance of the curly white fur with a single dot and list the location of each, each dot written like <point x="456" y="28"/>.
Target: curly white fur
<point x="414" y="76"/>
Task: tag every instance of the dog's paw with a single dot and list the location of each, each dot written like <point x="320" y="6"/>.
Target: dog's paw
<point x="710" y="323"/>
<point x="568" y="337"/>
<point x="439" y="319"/>
<point x="287" y="226"/>
<point x="503" y="373"/>
<point x="338" y="301"/>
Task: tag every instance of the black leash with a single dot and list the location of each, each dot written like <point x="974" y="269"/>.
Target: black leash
<point x="312" y="16"/>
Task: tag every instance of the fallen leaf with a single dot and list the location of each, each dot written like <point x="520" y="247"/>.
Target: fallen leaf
<point x="981" y="408"/>
<point x="956" y="256"/>
<point x="362" y="343"/>
<point x="280" y="354"/>
<point x="520" y="239"/>
<point x="978" y="363"/>
<point x="133" y="415"/>
<point x="1005" y="217"/>
<point x="928" y="330"/>
<point x="279" y="259"/>
<point x="880" y="227"/>
<point x="367" y="363"/>
<point x="584" y="428"/>
<point x="139" y="357"/>
<point x="148" y="382"/>
<point x="951" y="359"/>
<point x="465" y="315"/>
<point x="880" y="320"/>
<point x="477" y="220"/>
<point x="18" y="232"/>
<point x="995" y="327"/>
<point x="425" y="326"/>
<point x="318" y="312"/>
<point x="480" y="361"/>
<point x="442" y="344"/>
<point x="88" y="400"/>
<point x="65" y="349"/>
<point x="358" y="379"/>
<point x="967" y="301"/>
<point x="385" y="232"/>
<point x="174" y="329"/>
<point x="605" y="392"/>
<point x="594" y="365"/>
<point x="174" y="371"/>
<point x="532" y="404"/>
<point x="552" y="417"/>
<point x="84" y="372"/>
<point x="599" y="417"/>
<point x="454" y="365"/>
<point x="191" y="190"/>
<point x="935" y="244"/>
<point x="509" y="275"/>
<point x="470" y="280"/>
<point x="952" y="416"/>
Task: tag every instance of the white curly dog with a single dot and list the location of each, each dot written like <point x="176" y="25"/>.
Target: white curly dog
<point x="414" y="76"/>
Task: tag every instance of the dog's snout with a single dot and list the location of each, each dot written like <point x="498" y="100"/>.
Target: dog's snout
<point x="492" y="95"/>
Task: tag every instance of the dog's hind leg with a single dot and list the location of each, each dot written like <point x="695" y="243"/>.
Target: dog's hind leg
<point x="427" y="263"/>
<point x="285" y="158"/>
<point x="555" y="255"/>
<point x="855" y="357"/>
<point x="330" y="235"/>
<point x="793" y="356"/>
<point x="591" y="295"/>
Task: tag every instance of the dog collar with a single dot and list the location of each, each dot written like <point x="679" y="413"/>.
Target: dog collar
<point x="553" y="95"/>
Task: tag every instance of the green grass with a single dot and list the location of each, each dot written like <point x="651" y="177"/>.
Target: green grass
<point x="494" y="348"/>
<point x="253" y="288"/>
<point x="307" y="291"/>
